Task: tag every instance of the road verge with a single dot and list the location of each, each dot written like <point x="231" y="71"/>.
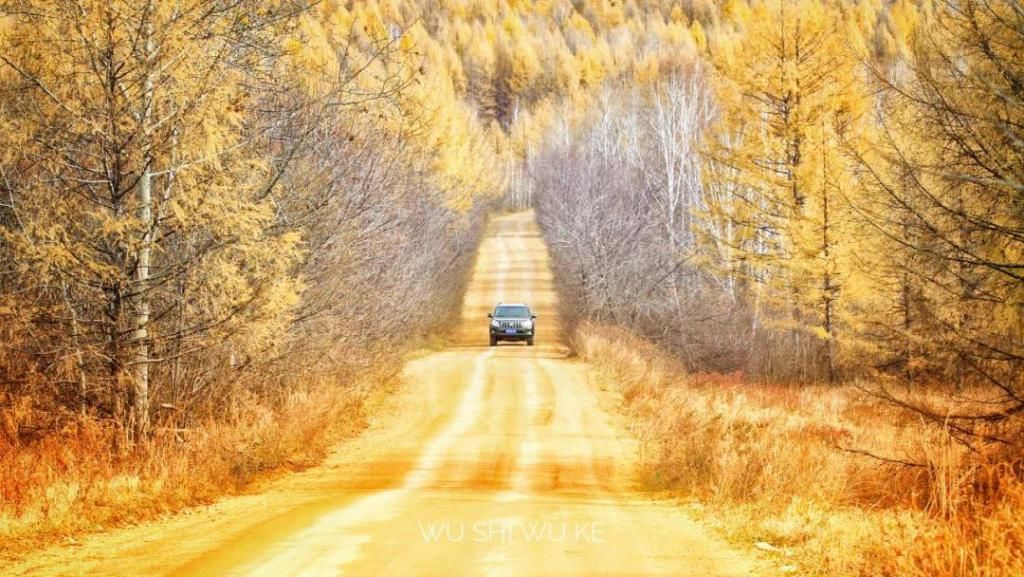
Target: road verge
<point x="776" y="469"/>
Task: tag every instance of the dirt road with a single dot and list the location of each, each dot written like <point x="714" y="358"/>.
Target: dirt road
<point x="490" y="461"/>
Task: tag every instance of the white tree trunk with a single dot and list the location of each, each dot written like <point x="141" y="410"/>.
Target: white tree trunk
<point x="140" y="292"/>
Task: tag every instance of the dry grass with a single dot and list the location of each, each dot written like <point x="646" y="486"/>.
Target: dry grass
<point x="78" y="480"/>
<point x="775" y="466"/>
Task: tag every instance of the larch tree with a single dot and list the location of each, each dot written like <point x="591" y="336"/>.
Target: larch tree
<point x="139" y="212"/>
<point x="788" y="95"/>
<point x="946" y="170"/>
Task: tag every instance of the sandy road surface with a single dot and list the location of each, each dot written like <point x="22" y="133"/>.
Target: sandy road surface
<point x="499" y="461"/>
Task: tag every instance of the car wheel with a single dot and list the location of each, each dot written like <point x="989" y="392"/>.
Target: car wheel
<point x="494" y="341"/>
<point x="529" y="342"/>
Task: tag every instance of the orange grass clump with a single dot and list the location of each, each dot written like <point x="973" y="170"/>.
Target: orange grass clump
<point x="81" y="478"/>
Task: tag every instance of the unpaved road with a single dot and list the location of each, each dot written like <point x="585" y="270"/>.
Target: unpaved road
<point x="501" y="461"/>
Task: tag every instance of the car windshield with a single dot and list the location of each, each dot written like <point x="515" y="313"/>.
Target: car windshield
<point x="512" y="312"/>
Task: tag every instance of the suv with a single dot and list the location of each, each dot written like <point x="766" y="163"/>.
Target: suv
<point x="512" y="322"/>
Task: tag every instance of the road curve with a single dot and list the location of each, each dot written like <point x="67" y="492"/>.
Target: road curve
<point x="503" y="461"/>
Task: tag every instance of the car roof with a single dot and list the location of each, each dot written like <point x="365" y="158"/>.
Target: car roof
<point x="513" y="305"/>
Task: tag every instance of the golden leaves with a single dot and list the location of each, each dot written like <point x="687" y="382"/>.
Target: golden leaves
<point x="791" y="97"/>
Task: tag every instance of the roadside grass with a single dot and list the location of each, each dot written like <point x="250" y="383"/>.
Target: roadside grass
<point x="81" y="478"/>
<point x="784" y="470"/>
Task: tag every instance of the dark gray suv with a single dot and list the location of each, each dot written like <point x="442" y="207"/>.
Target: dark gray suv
<point x="512" y="322"/>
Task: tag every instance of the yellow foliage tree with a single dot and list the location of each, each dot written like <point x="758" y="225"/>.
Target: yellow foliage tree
<point x="790" y="97"/>
<point x="153" y="218"/>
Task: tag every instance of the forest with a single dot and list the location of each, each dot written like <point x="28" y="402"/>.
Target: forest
<point x="216" y="217"/>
